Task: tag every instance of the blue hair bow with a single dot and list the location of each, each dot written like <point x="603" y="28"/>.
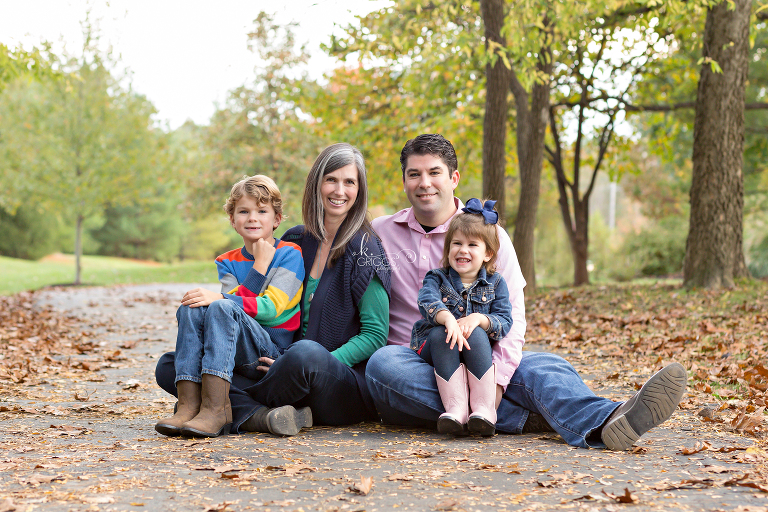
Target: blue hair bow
<point x="486" y="210"/>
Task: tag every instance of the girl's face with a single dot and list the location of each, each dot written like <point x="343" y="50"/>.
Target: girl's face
<point x="467" y="255"/>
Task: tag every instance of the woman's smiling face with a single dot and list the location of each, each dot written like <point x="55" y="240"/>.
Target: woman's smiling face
<point x="339" y="192"/>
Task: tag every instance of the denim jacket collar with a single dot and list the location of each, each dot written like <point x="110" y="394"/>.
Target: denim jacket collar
<point x="482" y="279"/>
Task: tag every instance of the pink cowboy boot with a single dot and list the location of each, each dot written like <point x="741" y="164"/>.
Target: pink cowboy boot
<point x="453" y="394"/>
<point x="482" y="400"/>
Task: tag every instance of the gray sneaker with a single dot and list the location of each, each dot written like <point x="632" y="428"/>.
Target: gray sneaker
<point x="648" y="408"/>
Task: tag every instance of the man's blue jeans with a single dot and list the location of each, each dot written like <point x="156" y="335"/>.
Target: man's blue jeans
<point x="218" y="338"/>
<point x="404" y="390"/>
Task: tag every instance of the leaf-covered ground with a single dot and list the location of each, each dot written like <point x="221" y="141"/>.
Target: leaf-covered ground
<point x="721" y="338"/>
<point x="78" y="404"/>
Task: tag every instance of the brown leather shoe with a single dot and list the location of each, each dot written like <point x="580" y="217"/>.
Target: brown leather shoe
<point x="187" y="408"/>
<point x="280" y="421"/>
<point x="215" y="416"/>
<point x="536" y="423"/>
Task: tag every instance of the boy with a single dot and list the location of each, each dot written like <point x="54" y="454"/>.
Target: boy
<point x="255" y="315"/>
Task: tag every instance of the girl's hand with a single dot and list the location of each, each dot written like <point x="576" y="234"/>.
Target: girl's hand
<point x="470" y="322"/>
<point x="200" y="297"/>
<point x="454" y="335"/>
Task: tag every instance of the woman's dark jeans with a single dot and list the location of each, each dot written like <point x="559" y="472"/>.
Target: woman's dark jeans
<point x="305" y="375"/>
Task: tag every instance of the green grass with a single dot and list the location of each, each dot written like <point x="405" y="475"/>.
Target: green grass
<point x="20" y="275"/>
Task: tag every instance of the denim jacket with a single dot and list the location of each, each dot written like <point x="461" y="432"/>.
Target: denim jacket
<point x="443" y="290"/>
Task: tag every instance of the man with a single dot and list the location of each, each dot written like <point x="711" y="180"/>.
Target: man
<point x="535" y="391"/>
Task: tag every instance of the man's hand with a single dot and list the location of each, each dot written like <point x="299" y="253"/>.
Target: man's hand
<point x="200" y="297"/>
<point x="267" y="361"/>
<point x="263" y="252"/>
<point x="470" y="322"/>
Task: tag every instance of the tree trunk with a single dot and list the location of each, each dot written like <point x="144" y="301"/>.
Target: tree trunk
<point x="531" y="128"/>
<point x="532" y="113"/>
<point x="580" y="241"/>
<point x="714" y="253"/>
<point x="496" y="109"/>
<point x="78" y="248"/>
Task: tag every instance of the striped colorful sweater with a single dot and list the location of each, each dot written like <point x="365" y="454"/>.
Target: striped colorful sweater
<point x="272" y="300"/>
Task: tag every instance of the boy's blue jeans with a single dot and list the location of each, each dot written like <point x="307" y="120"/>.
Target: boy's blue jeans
<point x="404" y="390"/>
<point x="217" y="339"/>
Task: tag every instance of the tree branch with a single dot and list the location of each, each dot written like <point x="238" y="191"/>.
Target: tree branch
<point x="628" y="107"/>
<point x="605" y="139"/>
<point x="562" y="181"/>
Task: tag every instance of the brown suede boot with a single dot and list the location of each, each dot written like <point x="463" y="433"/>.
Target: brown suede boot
<point x="215" y="416"/>
<point x="186" y="409"/>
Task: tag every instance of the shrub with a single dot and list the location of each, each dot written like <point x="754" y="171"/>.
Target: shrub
<point x="660" y="248"/>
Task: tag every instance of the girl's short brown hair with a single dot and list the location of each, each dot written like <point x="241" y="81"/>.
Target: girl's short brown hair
<point x="473" y="225"/>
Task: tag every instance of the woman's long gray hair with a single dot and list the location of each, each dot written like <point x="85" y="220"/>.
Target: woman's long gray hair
<point x="331" y="159"/>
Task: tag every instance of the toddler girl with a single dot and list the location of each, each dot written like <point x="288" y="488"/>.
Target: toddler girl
<point x="465" y="308"/>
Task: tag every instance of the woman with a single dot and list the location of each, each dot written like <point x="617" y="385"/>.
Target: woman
<point x="344" y="311"/>
<point x="344" y="305"/>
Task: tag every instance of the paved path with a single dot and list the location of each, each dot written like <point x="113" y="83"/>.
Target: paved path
<point x="85" y="441"/>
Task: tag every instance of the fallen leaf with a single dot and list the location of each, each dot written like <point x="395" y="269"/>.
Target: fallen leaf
<point x="748" y="422"/>
<point x="37" y="479"/>
<point x="745" y="481"/>
<point x="131" y="384"/>
<point x="363" y="486"/>
<point x="627" y="497"/>
<point x="98" y="499"/>
<point x="279" y="503"/>
<point x="698" y="447"/>
<point x="717" y="469"/>
<point x="424" y="454"/>
<point x="447" y="505"/>
<point x="295" y="469"/>
<point x="219" y="507"/>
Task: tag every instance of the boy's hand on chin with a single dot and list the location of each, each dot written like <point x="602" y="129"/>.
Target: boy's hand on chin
<point x="200" y="297"/>
<point x="263" y="252"/>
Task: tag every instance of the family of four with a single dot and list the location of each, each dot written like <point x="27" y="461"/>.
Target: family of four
<point x="415" y="319"/>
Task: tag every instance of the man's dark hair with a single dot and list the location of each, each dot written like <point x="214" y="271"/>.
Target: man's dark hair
<point x="430" y="144"/>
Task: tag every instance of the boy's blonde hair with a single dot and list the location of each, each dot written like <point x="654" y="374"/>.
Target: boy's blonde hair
<point x="262" y="188"/>
<point x="473" y="225"/>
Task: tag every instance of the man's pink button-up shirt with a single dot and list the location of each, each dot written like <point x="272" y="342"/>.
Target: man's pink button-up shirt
<point x="413" y="252"/>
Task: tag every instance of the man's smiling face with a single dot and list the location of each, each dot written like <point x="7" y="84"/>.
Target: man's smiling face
<point x="429" y="186"/>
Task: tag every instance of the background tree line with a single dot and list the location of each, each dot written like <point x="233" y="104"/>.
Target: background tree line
<point x="548" y="103"/>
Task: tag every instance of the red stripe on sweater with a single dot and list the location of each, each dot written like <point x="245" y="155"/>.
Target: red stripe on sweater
<point x="291" y="324"/>
<point x="233" y="255"/>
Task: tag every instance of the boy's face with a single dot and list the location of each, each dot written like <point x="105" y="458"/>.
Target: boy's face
<point x="253" y="220"/>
